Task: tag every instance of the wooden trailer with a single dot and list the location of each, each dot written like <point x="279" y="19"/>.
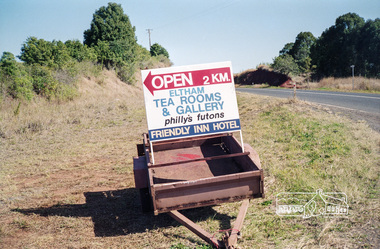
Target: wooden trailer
<point x="195" y="172"/>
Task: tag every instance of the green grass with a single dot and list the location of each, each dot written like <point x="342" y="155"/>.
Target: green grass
<point x="309" y="146"/>
<point x="181" y="246"/>
<point x="304" y="149"/>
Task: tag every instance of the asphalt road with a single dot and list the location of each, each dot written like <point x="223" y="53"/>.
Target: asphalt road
<point x="357" y="105"/>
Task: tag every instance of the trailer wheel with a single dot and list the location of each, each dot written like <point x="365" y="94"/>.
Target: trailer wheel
<point x="146" y="200"/>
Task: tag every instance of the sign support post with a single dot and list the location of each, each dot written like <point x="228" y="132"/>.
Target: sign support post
<point x="241" y="139"/>
<point x="151" y="149"/>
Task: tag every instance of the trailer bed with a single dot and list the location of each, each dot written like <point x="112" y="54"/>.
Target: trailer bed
<point x="192" y="170"/>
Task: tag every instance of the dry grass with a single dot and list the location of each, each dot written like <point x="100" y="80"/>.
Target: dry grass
<point x="66" y="177"/>
<point x="360" y="84"/>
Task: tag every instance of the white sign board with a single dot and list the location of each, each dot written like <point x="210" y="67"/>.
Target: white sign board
<point x="190" y="101"/>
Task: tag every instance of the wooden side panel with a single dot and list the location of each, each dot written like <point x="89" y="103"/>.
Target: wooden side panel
<point x="186" y="142"/>
<point x="205" y="192"/>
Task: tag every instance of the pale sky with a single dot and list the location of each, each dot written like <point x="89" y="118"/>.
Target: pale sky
<point x="244" y="32"/>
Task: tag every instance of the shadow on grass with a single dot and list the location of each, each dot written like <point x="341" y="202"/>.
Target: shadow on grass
<point x="118" y="212"/>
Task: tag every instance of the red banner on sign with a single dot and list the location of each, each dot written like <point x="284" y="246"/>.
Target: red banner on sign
<point x="187" y="79"/>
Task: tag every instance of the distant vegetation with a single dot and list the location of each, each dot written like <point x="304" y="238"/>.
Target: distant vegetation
<point x="50" y="68"/>
<point x="351" y="41"/>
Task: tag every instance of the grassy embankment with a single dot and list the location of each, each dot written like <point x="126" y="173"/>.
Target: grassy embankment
<point x="66" y="177"/>
<point x="361" y="84"/>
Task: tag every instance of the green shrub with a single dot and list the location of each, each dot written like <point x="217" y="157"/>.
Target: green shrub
<point x="8" y="64"/>
<point x="43" y="82"/>
<point x="21" y="87"/>
<point x="65" y="92"/>
<point x="126" y="73"/>
<point x="156" y="49"/>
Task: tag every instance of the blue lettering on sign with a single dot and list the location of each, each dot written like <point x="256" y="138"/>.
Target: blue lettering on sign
<point x="194" y="130"/>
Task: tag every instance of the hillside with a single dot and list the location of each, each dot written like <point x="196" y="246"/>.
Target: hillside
<point x="66" y="178"/>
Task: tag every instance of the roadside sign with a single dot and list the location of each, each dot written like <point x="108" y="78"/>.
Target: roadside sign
<point x="190" y="101"/>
